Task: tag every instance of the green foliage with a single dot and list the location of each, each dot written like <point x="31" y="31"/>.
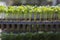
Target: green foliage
<point x="2" y="9"/>
<point x="32" y="36"/>
<point x="30" y="9"/>
<point x="47" y="11"/>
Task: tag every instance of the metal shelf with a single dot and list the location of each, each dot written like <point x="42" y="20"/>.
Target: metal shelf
<point x="29" y="22"/>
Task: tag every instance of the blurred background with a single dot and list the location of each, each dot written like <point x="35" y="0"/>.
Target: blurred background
<point x="30" y="2"/>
